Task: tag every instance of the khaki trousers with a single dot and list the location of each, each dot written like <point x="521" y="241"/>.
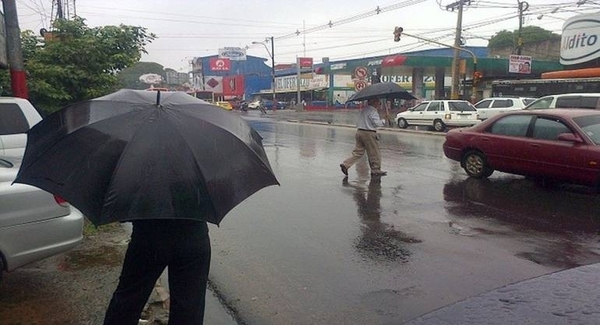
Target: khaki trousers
<point x="366" y="141"/>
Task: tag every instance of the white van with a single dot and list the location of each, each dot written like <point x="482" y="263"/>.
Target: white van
<point x="574" y="100"/>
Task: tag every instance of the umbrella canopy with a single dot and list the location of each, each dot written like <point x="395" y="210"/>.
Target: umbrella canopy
<point x="387" y="90"/>
<point x="146" y="155"/>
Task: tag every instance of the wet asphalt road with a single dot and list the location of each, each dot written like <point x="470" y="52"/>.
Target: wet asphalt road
<point x="322" y="249"/>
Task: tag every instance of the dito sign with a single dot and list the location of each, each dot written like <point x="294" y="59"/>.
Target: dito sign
<point x="519" y="64"/>
<point x="580" y="41"/>
<point x="219" y="64"/>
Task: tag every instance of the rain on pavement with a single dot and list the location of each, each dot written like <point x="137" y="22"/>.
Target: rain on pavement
<point x="322" y="249"/>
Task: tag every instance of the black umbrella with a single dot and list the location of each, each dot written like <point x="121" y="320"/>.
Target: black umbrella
<point x="387" y="90"/>
<point x="146" y="155"/>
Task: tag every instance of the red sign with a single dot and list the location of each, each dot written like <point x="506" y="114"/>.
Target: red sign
<point x="305" y="63"/>
<point x="220" y="64"/>
<point x="393" y="60"/>
<point x="233" y="85"/>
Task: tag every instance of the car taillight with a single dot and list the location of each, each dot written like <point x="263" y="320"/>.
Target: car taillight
<point x="62" y="202"/>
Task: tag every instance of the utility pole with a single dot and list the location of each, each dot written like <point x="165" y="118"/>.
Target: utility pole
<point x="273" y="73"/>
<point x="18" y="77"/>
<point x="457" y="44"/>
<point x="523" y="6"/>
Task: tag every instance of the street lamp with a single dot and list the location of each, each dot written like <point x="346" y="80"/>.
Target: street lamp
<point x="272" y="55"/>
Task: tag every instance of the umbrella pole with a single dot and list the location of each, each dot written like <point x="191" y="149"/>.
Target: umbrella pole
<point x="158" y="98"/>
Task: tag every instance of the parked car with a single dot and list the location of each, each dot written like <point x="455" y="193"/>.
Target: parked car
<point x="574" y="100"/>
<point x="556" y="144"/>
<point x="34" y="224"/>
<point x="489" y="107"/>
<point x="225" y="105"/>
<point x="268" y="104"/>
<point x="439" y="114"/>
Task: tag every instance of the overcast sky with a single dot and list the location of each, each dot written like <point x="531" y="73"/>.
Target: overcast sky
<point x="191" y="28"/>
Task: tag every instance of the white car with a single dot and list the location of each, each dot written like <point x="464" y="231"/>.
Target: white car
<point x="34" y="224"/>
<point x="489" y="107"/>
<point x="439" y="114"/>
<point x="574" y="100"/>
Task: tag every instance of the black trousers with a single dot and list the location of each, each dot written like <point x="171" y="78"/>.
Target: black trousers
<point x="183" y="246"/>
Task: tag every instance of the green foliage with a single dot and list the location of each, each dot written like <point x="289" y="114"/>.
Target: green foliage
<point x="78" y="62"/>
<point x="129" y="78"/>
<point x="529" y="34"/>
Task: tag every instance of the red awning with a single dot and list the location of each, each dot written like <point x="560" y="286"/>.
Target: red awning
<point x="393" y="60"/>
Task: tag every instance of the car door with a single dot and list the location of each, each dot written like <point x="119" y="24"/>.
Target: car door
<point x="434" y="111"/>
<point x="415" y="115"/>
<point x="506" y="146"/>
<point x="483" y="109"/>
<point x="502" y="105"/>
<point x="562" y="160"/>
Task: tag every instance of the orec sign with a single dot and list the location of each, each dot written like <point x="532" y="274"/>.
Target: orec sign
<point x="580" y="39"/>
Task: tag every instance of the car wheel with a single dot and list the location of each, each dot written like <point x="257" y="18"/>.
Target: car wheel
<point x="474" y="163"/>
<point x="439" y="126"/>
<point x="1" y="267"/>
<point x="402" y="123"/>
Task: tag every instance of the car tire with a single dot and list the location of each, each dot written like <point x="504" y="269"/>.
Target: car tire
<point x="475" y="165"/>
<point x="1" y="267"/>
<point x="439" y="126"/>
<point x="402" y="123"/>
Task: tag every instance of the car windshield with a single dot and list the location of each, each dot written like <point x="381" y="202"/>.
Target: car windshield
<point x="528" y="101"/>
<point x="591" y="126"/>
<point x="461" y="106"/>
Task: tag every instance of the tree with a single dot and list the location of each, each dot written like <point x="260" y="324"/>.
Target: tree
<point x="529" y="34"/>
<point x="77" y="62"/>
<point x="130" y="77"/>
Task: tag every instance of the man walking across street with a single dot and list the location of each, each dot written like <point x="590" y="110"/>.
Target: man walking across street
<point x="367" y="139"/>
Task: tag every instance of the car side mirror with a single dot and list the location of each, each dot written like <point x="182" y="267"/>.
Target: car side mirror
<point x="570" y="137"/>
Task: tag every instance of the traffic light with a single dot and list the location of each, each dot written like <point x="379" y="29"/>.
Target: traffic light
<point x="397" y="33"/>
<point x="477" y="75"/>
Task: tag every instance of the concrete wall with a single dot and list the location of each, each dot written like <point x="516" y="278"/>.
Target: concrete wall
<point x="546" y="50"/>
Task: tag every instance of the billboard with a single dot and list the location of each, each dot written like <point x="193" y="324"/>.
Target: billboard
<point x="232" y="53"/>
<point x="219" y="64"/>
<point x="579" y="41"/>
<point x="519" y="64"/>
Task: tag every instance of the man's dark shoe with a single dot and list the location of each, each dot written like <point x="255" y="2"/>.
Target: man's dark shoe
<point x="344" y="169"/>
<point x="378" y="173"/>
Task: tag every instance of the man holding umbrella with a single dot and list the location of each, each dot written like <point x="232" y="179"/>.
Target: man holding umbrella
<point x="367" y="139"/>
<point x="162" y="161"/>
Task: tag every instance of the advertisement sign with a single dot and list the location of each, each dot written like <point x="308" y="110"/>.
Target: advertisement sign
<point x="214" y="84"/>
<point x="519" y="64"/>
<point x="305" y="63"/>
<point x="233" y="53"/>
<point x="580" y="42"/>
<point x="219" y="64"/>
<point x="233" y="85"/>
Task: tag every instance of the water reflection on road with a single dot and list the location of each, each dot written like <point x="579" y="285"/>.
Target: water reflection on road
<point x="559" y="226"/>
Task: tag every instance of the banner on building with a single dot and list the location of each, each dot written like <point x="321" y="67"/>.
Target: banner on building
<point x="219" y="64"/>
<point x="214" y="84"/>
<point x="519" y="64"/>
<point x="233" y="85"/>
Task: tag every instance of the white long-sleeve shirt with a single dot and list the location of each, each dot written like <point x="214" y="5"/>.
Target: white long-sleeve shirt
<point x="368" y="119"/>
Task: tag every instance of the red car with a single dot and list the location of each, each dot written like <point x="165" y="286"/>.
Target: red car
<point x="555" y="144"/>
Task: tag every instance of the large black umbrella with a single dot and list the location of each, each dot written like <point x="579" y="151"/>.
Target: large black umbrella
<point x="146" y="155"/>
<point x="387" y="90"/>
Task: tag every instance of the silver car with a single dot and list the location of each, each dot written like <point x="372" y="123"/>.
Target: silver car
<point x="34" y="224"/>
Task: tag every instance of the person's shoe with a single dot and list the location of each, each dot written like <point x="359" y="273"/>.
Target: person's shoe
<point x="344" y="169"/>
<point x="378" y="173"/>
